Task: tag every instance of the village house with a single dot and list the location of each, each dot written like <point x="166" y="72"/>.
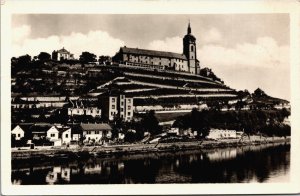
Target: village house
<point x="79" y="108"/>
<point x="96" y="132"/>
<point x="221" y="134"/>
<point x="18" y="133"/>
<point x="53" y="136"/>
<point x="65" y="134"/>
<point x="62" y="54"/>
<point x="76" y="134"/>
<point x="39" y="131"/>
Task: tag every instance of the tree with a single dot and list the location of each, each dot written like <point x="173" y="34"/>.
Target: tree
<point x="44" y="56"/>
<point x="24" y="60"/>
<point x="259" y="93"/>
<point x="150" y="123"/>
<point x="86" y="57"/>
<point x="104" y="59"/>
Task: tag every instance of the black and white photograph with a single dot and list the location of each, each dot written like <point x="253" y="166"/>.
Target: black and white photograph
<point x="154" y="99"/>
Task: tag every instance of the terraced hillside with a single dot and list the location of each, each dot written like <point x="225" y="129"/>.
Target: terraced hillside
<point x="167" y="88"/>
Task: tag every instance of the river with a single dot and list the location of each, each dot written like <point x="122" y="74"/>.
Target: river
<point x="261" y="163"/>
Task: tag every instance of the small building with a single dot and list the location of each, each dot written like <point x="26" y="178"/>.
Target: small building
<point x="39" y="131"/>
<point x="174" y="131"/>
<point x="18" y="133"/>
<point x="96" y="132"/>
<point x="76" y="134"/>
<point x="221" y="134"/>
<point x="62" y="54"/>
<point x="83" y="107"/>
<point x="53" y="136"/>
<point x="65" y="135"/>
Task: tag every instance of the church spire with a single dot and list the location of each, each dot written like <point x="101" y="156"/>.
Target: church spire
<point x="189" y="28"/>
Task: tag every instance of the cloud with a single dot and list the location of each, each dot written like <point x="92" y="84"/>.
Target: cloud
<point x="263" y="64"/>
<point x="20" y="33"/>
<point x="264" y="53"/>
<point x="171" y="44"/>
<point x="213" y="35"/>
<point x="97" y="42"/>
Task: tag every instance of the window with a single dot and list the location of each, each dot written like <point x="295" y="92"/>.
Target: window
<point x="192" y="48"/>
<point x="91" y="111"/>
<point x="122" y="103"/>
<point x="122" y="109"/>
<point x="19" y="135"/>
<point x="88" y="132"/>
<point x="67" y="135"/>
<point x="113" y="106"/>
<point x="113" y="100"/>
<point x="129" y="107"/>
<point x="52" y="135"/>
<point x="128" y="113"/>
<point x="96" y="132"/>
<point x="129" y="100"/>
<point x="112" y="113"/>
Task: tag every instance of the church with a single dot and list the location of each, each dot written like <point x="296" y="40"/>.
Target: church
<point x="161" y="60"/>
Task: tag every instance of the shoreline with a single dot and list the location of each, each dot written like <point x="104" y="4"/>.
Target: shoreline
<point x="106" y="151"/>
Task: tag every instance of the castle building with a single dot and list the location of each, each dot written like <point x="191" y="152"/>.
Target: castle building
<point x="62" y="54"/>
<point x="160" y="60"/>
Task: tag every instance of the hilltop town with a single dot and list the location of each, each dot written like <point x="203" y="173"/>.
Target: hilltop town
<point x="137" y="95"/>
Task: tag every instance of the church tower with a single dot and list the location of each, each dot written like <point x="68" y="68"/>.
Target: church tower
<point x="189" y="49"/>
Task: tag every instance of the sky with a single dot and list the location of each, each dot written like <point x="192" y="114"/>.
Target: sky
<point x="247" y="51"/>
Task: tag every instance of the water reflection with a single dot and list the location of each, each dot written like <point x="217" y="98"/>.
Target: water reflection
<point x="261" y="163"/>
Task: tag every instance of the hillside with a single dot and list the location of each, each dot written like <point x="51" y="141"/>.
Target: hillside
<point x="167" y="88"/>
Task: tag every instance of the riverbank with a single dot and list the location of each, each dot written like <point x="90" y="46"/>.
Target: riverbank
<point x="105" y="151"/>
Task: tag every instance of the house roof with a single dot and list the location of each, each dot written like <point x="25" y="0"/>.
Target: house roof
<point x="40" y="128"/>
<point x="93" y="127"/>
<point x="155" y="53"/>
<point x="63" y="50"/>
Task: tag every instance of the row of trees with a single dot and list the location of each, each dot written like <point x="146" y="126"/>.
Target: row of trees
<point x="268" y="122"/>
<point x="85" y="57"/>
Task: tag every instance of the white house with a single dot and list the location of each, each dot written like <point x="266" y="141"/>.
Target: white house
<point x="53" y="136"/>
<point x="174" y="130"/>
<point x="66" y="136"/>
<point x="95" y="131"/>
<point x="221" y="134"/>
<point x="18" y="132"/>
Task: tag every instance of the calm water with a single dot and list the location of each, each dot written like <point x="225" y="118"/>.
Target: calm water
<point x="264" y="163"/>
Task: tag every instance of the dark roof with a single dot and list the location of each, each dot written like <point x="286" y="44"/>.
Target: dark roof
<point x="40" y="128"/>
<point x="155" y="53"/>
<point x="63" y="50"/>
<point x="92" y="127"/>
<point x="62" y="129"/>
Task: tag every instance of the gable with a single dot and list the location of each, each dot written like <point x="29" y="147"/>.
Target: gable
<point x="17" y="129"/>
<point x="53" y="130"/>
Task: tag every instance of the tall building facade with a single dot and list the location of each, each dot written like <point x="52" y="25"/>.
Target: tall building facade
<point x="161" y="60"/>
<point x="117" y="105"/>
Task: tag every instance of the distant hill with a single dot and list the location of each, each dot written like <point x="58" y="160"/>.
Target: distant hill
<point x="259" y="96"/>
